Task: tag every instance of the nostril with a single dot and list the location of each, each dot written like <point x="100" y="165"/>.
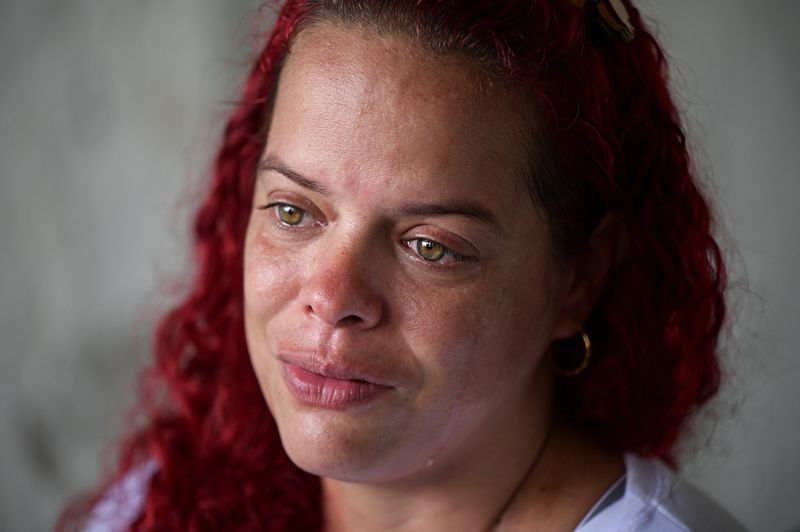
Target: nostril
<point x="344" y="321"/>
<point x="351" y="320"/>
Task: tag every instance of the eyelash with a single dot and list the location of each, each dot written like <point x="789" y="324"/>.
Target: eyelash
<point x="448" y="253"/>
<point x="276" y="205"/>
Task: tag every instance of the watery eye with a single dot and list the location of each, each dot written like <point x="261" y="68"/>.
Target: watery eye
<point x="290" y="215"/>
<point x="430" y="250"/>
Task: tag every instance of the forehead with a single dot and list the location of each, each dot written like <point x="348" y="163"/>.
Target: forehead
<point x="359" y="53"/>
<point x="388" y="103"/>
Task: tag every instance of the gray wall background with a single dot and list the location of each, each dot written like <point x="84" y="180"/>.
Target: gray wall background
<point x="109" y="112"/>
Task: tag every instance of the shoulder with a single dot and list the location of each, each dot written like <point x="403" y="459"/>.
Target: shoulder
<point x="657" y="500"/>
<point x="122" y="504"/>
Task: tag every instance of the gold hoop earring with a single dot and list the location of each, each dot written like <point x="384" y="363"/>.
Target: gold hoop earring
<point x="584" y="363"/>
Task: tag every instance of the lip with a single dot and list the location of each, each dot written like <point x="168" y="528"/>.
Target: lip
<point x="329" y="386"/>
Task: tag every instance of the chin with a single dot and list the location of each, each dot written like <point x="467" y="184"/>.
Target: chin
<point x="321" y="444"/>
<point x="371" y="444"/>
<point x="367" y="440"/>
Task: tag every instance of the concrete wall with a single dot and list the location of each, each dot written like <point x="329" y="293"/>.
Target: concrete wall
<point x="109" y="112"/>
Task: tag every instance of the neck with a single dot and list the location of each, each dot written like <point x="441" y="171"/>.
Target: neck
<point x="470" y="497"/>
<point x="554" y="493"/>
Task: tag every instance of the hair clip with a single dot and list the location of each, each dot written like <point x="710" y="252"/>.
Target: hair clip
<point x="612" y="17"/>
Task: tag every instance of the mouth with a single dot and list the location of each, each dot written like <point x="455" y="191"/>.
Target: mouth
<point x="330" y="388"/>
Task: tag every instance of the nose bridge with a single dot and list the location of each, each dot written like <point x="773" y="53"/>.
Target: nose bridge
<point x="340" y="288"/>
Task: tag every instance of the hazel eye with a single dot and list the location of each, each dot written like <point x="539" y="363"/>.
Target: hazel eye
<point x="289" y="214"/>
<point x="430" y="250"/>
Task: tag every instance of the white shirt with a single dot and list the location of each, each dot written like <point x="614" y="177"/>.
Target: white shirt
<point x="650" y="497"/>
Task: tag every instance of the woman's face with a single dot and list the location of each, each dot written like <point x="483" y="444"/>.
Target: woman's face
<point x="399" y="286"/>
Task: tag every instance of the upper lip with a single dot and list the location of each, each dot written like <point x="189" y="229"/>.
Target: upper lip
<point x="334" y="367"/>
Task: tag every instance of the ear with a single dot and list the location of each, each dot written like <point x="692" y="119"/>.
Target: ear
<point x="588" y="272"/>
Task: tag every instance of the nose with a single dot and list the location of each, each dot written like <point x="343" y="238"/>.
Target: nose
<point x="341" y="291"/>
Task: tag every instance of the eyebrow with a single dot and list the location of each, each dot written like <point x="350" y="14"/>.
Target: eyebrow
<point x="458" y="208"/>
<point x="455" y="208"/>
<point x="276" y="165"/>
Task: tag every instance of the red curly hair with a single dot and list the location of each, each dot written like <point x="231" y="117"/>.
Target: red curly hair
<point x="610" y="141"/>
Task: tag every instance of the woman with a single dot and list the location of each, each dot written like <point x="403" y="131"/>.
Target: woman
<point x="454" y="274"/>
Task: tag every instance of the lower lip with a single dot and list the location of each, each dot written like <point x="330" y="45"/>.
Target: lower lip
<point x="314" y="389"/>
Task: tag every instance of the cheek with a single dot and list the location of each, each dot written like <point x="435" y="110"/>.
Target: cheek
<point x="270" y="280"/>
<point x="269" y="277"/>
<point x="480" y="340"/>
